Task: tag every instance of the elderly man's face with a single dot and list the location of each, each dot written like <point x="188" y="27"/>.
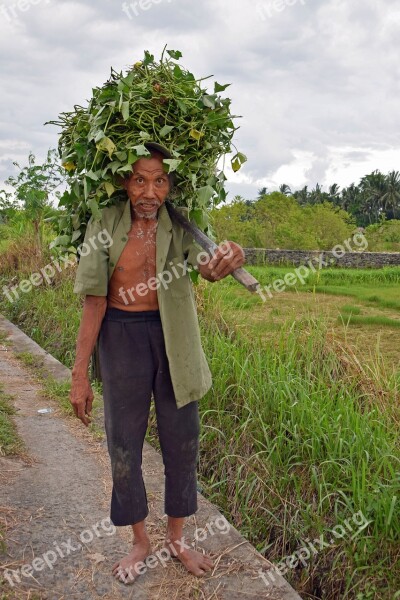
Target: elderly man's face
<point x="148" y="186"/>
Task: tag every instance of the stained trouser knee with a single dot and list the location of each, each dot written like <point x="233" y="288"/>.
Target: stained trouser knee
<point x="180" y="456"/>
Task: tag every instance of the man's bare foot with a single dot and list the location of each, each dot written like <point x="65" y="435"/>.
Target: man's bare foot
<point x="129" y="568"/>
<point x="195" y="562"/>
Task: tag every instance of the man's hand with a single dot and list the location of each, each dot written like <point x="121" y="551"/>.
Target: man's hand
<point x="81" y="398"/>
<point x="227" y="258"/>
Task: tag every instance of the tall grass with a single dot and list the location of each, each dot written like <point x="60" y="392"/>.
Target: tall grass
<point x="292" y="445"/>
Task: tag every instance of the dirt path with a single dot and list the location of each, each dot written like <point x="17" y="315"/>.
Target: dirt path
<point x="60" y="542"/>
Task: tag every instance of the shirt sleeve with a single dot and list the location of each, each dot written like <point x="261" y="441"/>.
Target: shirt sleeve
<point x="92" y="273"/>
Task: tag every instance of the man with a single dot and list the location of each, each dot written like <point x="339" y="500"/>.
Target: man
<point x="139" y="304"/>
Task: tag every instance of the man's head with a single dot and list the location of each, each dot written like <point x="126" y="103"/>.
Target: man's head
<point x="148" y="185"/>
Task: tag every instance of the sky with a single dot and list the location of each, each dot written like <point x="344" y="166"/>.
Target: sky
<point x="316" y="82"/>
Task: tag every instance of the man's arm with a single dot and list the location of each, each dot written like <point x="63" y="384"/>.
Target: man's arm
<point x="81" y="395"/>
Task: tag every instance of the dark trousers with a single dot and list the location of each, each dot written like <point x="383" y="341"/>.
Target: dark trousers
<point x="134" y="366"/>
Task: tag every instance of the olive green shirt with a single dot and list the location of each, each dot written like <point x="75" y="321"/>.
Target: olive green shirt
<point x="104" y="242"/>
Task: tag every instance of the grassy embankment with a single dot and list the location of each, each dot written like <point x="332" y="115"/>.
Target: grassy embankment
<point x="298" y="433"/>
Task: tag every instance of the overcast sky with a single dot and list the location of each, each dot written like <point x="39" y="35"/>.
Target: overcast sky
<point x="316" y="81"/>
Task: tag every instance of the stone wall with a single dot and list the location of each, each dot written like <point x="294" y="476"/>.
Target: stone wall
<point x="262" y="256"/>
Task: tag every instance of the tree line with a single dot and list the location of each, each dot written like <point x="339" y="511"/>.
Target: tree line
<point x="376" y="196"/>
<point x="302" y="219"/>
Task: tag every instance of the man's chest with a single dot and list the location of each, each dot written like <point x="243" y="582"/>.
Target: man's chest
<point x="138" y="258"/>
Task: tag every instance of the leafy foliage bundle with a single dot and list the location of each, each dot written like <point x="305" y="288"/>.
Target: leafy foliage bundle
<point x="152" y="102"/>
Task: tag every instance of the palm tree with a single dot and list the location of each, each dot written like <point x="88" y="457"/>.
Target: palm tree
<point x="262" y="192"/>
<point x="333" y="193"/>
<point x="302" y="196"/>
<point x="285" y="189"/>
<point x="373" y="188"/>
<point x="391" y="198"/>
<point x="317" y="196"/>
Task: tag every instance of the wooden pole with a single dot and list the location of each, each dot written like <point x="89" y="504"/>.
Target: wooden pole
<point x="241" y="275"/>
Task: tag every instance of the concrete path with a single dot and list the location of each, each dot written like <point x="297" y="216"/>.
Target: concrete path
<point x="54" y="506"/>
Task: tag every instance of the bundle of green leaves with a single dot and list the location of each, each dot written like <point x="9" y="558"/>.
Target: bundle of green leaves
<point x="152" y="102"/>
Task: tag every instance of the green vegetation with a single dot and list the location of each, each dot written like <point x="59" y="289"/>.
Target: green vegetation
<point x="275" y="220"/>
<point x="296" y="439"/>
<point x="384" y="236"/>
<point x="376" y="196"/>
<point x="10" y="443"/>
<point x="34" y="189"/>
<point x="153" y="101"/>
<point x="378" y="320"/>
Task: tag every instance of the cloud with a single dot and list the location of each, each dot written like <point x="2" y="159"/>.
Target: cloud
<point x="316" y="83"/>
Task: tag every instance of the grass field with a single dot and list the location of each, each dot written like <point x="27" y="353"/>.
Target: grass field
<point x="359" y="307"/>
<point x="300" y="430"/>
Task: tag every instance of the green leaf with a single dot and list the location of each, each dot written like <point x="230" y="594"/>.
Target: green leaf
<point x="128" y="80"/>
<point x="99" y="135"/>
<point x="144" y="135"/>
<point x="178" y="73"/>
<point x="92" y="175"/>
<point x="113" y="166"/>
<point x="237" y="161"/>
<point x="76" y="222"/>
<point x="148" y="58"/>
<point x="200" y="217"/>
<point x="194" y="276"/>
<point x="61" y="240"/>
<point x="209" y="101"/>
<point x="124" y="169"/>
<point x="204" y="195"/>
<point x="172" y="163"/>
<point x="141" y="150"/>
<point x="106" y="145"/>
<point x="182" y="106"/>
<point x="76" y="235"/>
<point x="94" y="208"/>
<point x="166" y="130"/>
<point x="125" y="110"/>
<point x="110" y="189"/>
<point x="220" y="88"/>
<point x="175" y="54"/>
<point x="235" y="164"/>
